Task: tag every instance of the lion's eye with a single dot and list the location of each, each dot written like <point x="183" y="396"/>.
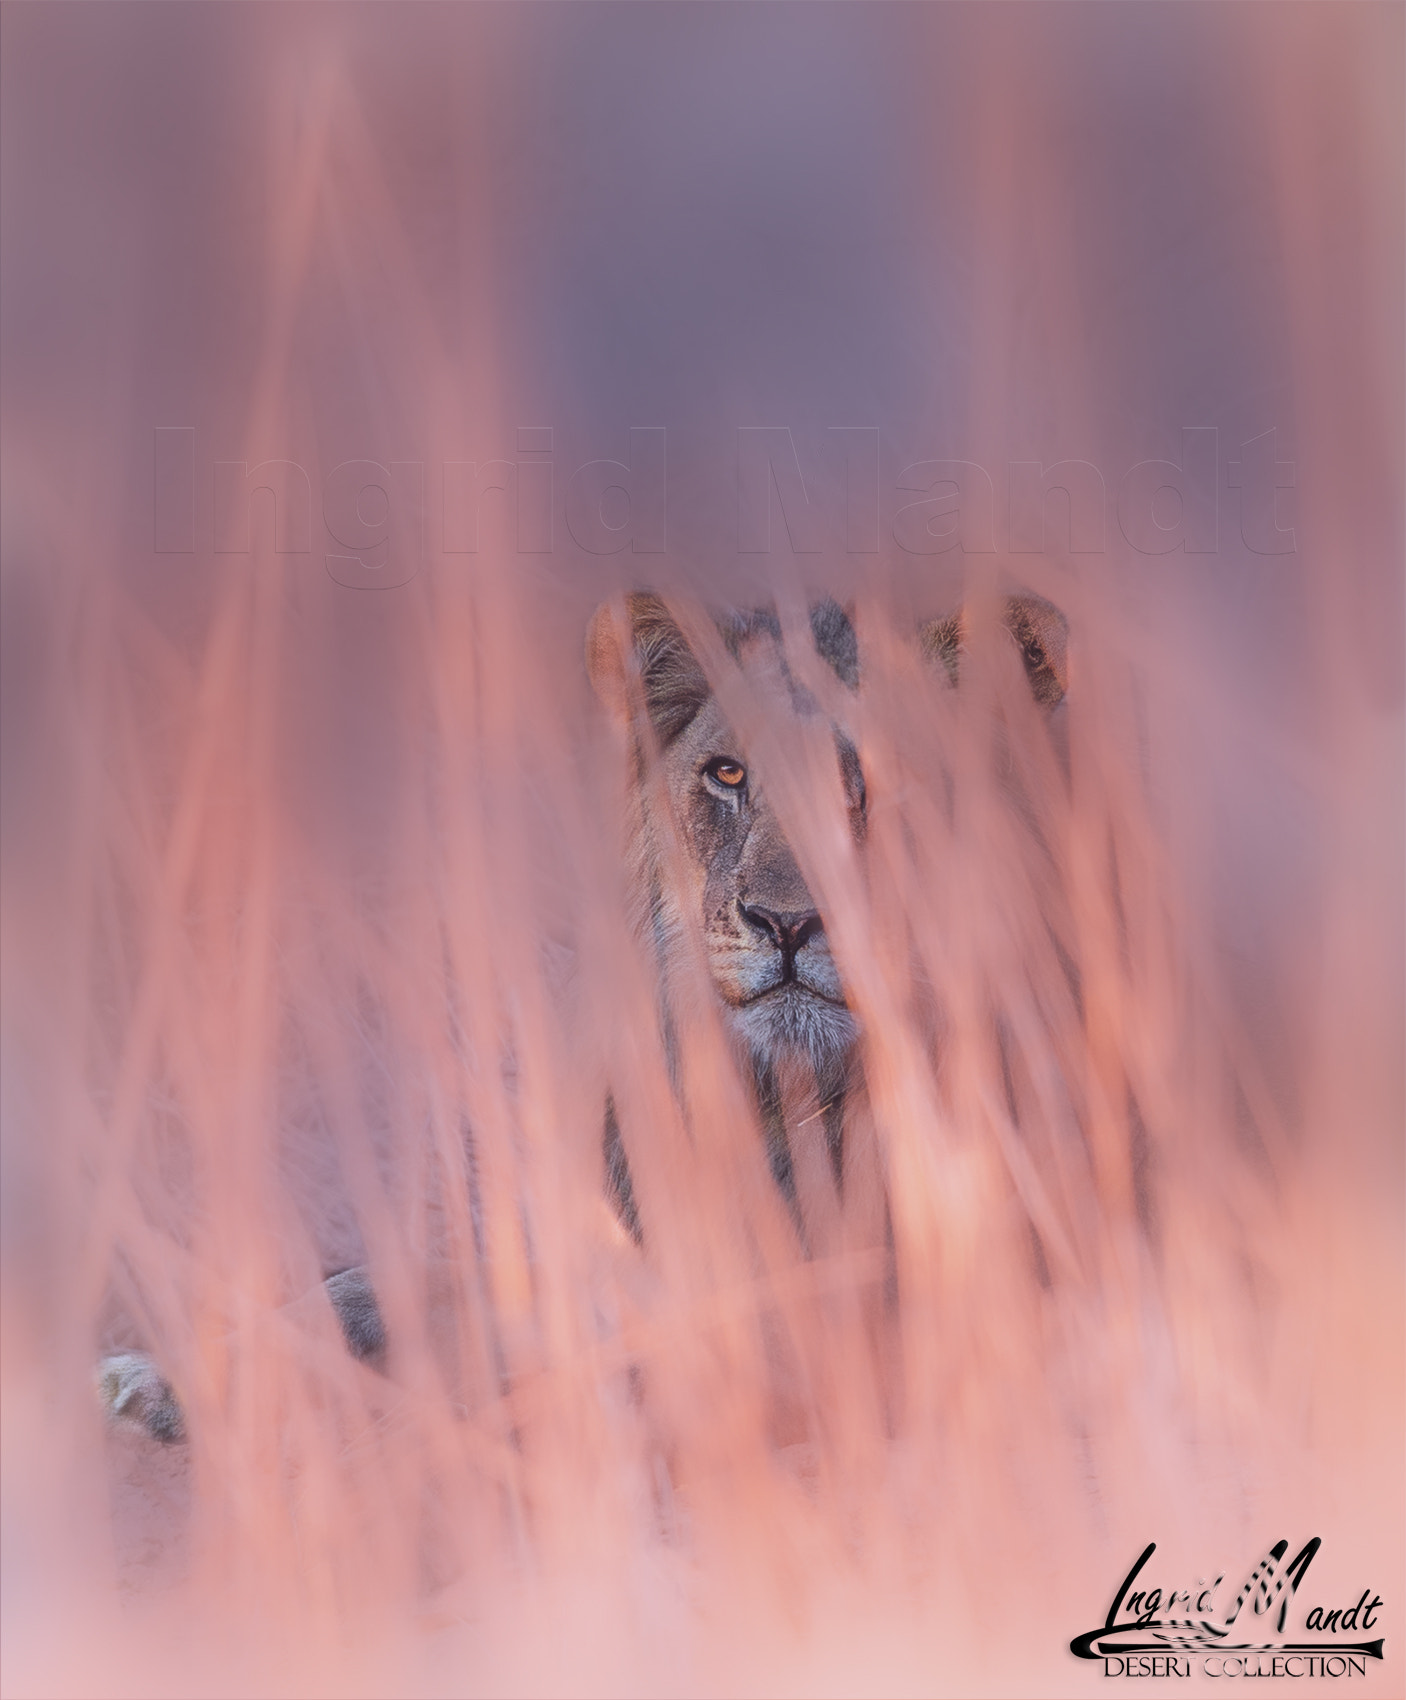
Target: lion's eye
<point x="727" y="772"/>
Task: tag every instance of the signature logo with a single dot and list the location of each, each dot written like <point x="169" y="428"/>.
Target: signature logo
<point x="1262" y="1631"/>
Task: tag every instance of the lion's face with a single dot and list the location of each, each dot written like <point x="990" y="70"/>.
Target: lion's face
<point x="767" y="949"/>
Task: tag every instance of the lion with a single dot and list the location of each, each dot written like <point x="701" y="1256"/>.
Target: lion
<point x="768" y="953"/>
<point x="767" y="949"/>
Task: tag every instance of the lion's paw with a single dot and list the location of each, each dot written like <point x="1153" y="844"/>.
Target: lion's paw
<point x="134" y="1392"/>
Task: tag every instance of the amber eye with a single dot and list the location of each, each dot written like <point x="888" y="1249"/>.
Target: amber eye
<point x="727" y="772"/>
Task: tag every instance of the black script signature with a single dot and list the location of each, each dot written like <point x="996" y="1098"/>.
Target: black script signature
<point x="1151" y="1613"/>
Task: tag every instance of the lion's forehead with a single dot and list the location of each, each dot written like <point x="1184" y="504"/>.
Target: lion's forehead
<point x="773" y="691"/>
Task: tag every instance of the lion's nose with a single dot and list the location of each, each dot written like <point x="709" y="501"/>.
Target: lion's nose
<point x="788" y="929"/>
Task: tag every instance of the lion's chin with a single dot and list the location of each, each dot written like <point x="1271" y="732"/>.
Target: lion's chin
<point x="793" y="1018"/>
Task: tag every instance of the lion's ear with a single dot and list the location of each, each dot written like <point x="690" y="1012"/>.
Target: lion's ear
<point x="605" y="660"/>
<point x="1042" y="633"/>
<point x="1039" y="630"/>
<point x="674" y="685"/>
